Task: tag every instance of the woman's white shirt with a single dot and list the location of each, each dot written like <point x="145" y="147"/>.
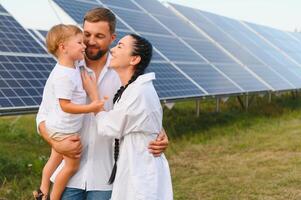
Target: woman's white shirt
<point x="137" y="119"/>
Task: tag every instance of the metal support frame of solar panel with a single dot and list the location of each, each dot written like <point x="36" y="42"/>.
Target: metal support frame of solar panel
<point x="239" y="53"/>
<point x="24" y="68"/>
<point x="258" y="47"/>
<point x="170" y="83"/>
<point x="214" y="56"/>
<point x="279" y="40"/>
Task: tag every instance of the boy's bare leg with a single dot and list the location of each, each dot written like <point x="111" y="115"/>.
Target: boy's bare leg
<point x="53" y="162"/>
<point x="61" y="180"/>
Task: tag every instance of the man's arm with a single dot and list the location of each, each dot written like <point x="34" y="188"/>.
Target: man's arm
<point x="70" y="146"/>
<point x="158" y="146"/>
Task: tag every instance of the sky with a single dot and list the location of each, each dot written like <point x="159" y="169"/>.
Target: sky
<point x="280" y="14"/>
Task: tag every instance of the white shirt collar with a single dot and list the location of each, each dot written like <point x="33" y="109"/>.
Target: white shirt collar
<point x="82" y="64"/>
<point x="145" y="78"/>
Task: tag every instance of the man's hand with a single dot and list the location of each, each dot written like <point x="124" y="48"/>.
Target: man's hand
<point x="70" y="146"/>
<point x="158" y="146"/>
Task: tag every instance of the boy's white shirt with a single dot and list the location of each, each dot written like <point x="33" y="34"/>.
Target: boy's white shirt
<point x="63" y="83"/>
<point x="97" y="155"/>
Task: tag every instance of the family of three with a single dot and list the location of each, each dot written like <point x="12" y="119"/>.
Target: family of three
<point x="102" y="116"/>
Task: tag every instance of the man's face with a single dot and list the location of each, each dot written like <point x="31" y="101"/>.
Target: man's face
<point x="97" y="38"/>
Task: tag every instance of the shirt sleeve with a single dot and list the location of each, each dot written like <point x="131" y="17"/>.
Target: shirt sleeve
<point x="63" y="88"/>
<point x="129" y="116"/>
<point x="42" y="115"/>
<point x="120" y="120"/>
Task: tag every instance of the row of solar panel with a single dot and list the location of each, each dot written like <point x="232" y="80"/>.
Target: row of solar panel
<point x="196" y="53"/>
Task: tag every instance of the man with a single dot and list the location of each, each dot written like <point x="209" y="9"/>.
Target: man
<point x="96" y="152"/>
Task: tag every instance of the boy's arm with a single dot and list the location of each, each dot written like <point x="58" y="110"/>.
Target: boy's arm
<point x="69" y="107"/>
<point x="70" y="146"/>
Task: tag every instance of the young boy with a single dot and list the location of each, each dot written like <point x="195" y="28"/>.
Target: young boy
<point x="66" y="102"/>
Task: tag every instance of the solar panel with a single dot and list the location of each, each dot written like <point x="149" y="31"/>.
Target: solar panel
<point x="2" y="10"/>
<point x="281" y="40"/>
<point x="14" y="38"/>
<point x="212" y="81"/>
<point x="78" y="8"/>
<point x="270" y="76"/>
<point x="173" y="49"/>
<point x="120" y="4"/>
<point x="24" y="67"/>
<point x="164" y="88"/>
<point x="259" y="48"/>
<point x="44" y="33"/>
<point x="121" y="34"/>
<point x="171" y="84"/>
<point x="140" y="21"/>
<point x="198" y="42"/>
<point x="241" y="76"/>
<point x="209" y="51"/>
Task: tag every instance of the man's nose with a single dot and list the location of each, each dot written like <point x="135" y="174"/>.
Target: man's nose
<point x="91" y="41"/>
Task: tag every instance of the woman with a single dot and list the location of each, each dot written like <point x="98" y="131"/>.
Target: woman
<point x="135" y="119"/>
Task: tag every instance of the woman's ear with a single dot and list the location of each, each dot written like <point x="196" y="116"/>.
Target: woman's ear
<point x="135" y="60"/>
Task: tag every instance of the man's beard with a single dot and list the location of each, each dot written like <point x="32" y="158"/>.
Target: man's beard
<point x="98" y="55"/>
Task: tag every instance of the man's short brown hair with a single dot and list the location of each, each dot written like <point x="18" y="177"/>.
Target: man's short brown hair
<point x="101" y="14"/>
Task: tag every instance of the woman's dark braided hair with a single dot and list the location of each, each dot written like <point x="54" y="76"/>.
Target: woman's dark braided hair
<point x="144" y="49"/>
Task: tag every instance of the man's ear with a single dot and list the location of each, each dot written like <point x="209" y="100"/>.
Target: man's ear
<point x="113" y="37"/>
<point x="135" y="60"/>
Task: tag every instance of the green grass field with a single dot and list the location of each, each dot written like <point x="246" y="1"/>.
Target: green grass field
<point x="228" y="155"/>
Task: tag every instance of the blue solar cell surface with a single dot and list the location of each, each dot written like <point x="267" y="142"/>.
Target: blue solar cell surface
<point x="140" y="21"/>
<point x="2" y="10"/>
<point x="24" y="66"/>
<point x="14" y="38"/>
<point x="171" y="84"/>
<point x="210" y="51"/>
<point x="22" y="79"/>
<point x="259" y="48"/>
<point x="155" y="7"/>
<point x="77" y="10"/>
<point x="120" y="4"/>
<point x="210" y="79"/>
<point x="206" y="22"/>
<point x="173" y="49"/>
<point x="44" y="33"/>
<point x="242" y="77"/>
<point x="121" y="34"/>
<point x="281" y="40"/>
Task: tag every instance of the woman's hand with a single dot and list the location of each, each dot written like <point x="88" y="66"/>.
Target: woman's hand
<point x="158" y="146"/>
<point x="90" y="85"/>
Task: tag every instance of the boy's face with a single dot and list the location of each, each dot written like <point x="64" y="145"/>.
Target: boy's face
<point x="75" y="47"/>
<point x="97" y="38"/>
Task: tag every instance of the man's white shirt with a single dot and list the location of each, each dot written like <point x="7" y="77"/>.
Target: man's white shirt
<point x="97" y="155"/>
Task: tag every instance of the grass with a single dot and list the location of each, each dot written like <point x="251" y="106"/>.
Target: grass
<point x="228" y="155"/>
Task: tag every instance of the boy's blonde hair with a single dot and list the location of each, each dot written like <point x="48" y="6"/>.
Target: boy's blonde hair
<point x="59" y="34"/>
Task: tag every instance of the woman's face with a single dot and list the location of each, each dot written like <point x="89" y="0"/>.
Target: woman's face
<point x="122" y="53"/>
